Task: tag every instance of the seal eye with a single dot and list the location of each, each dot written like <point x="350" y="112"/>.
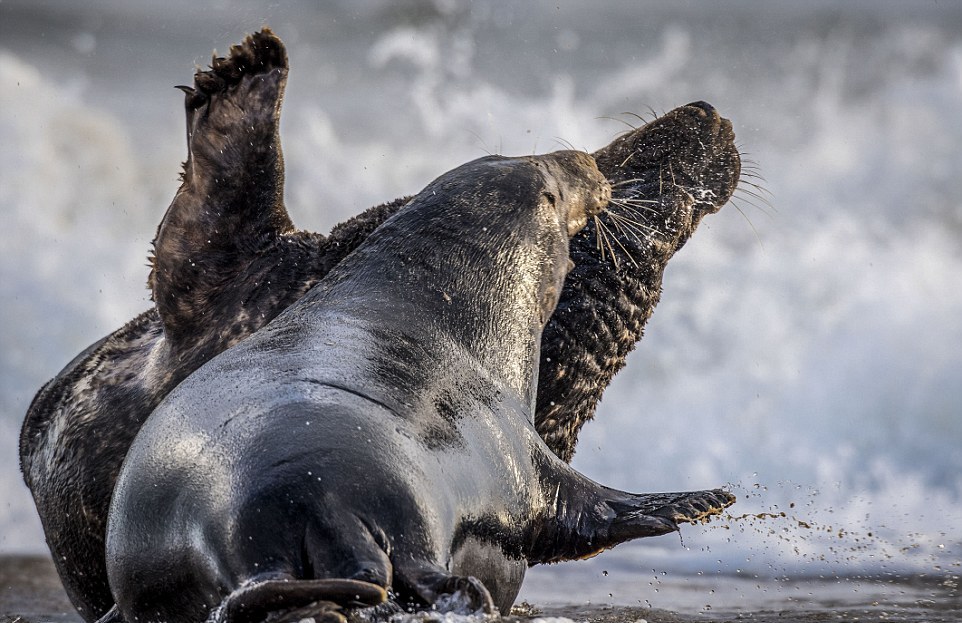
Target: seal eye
<point x="550" y="197"/>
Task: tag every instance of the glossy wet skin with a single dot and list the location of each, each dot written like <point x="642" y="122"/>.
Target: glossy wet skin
<point x="415" y="421"/>
<point x="80" y="425"/>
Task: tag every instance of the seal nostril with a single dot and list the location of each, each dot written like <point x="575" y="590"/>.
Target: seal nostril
<point x="708" y="108"/>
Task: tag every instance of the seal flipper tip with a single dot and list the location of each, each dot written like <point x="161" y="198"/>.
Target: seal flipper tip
<point x="640" y="515"/>
<point x="589" y="518"/>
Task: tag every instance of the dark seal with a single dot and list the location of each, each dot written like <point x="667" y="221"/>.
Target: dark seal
<point x="228" y="220"/>
<point x="378" y="435"/>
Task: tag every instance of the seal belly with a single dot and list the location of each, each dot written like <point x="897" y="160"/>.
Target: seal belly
<point x="318" y="481"/>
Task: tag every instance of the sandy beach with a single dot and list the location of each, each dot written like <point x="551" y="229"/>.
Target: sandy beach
<point x="31" y="593"/>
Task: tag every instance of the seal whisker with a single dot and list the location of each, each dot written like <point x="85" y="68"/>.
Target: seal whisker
<point x="746" y="201"/>
<point x="633" y="128"/>
<point x="628" y="181"/>
<point x="759" y="196"/>
<point x="749" y="221"/>
<point x="564" y="143"/>
<point x="638" y="204"/>
<point x="642" y="204"/>
<point x="636" y="195"/>
<point x="598" y="244"/>
<point x="636" y="218"/>
<point x="636" y="211"/>
<point x="753" y="174"/>
<point x="636" y="116"/>
<point x="756" y="186"/>
<point x="606" y="236"/>
<point x="618" y="223"/>
<point x="621" y="245"/>
<point x="480" y="140"/>
<point x="599" y="237"/>
<point x="636" y="225"/>
<point x="628" y="254"/>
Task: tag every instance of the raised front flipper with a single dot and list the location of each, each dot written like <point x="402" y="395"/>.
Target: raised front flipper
<point x="229" y="208"/>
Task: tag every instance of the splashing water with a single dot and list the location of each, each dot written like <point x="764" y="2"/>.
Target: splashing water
<point x="813" y="363"/>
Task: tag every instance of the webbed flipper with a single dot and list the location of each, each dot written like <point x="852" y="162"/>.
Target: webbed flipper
<point x="584" y="518"/>
<point x="229" y="207"/>
<point x="644" y="514"/>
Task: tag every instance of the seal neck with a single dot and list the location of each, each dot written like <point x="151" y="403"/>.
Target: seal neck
<point x="493" y="309"/>
<point x="476" y="268"/>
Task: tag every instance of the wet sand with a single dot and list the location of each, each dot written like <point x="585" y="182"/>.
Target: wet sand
<point x="31" y="593"/>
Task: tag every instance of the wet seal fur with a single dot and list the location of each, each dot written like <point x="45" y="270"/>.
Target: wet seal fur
<point x="669" y="173"/>
<point x="379" y="432"/>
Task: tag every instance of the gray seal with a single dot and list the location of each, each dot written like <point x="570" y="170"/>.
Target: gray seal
<point x="378" y="435"/>
<point x="666" y="175"/>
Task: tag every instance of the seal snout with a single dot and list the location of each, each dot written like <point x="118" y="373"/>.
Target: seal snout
<point x="597" y="202"/>
<point x="585" y="190"/>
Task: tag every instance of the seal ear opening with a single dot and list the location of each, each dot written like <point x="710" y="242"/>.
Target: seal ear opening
<point x="279" y="601"/>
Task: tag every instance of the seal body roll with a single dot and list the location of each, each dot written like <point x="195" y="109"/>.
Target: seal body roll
<point x="378" y="433"/>
<point x="370" y="427"/>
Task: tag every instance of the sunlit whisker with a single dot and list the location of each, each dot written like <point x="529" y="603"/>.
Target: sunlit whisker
<point x="598" y="244"/>
<point x="749" y="199"/>
<point x="605" y="236"/>
<point x="640" y="215"/>
<point x="635" y="225"/>
<point x="761" y="189"/>
<point x="633" y="128"/>
<point x="638" y="212"/>
<point x="622" y="247"/>
<point x="753" y="174"/>
<point x="636" y="116"/>
<point x="624" y="229"/>
<point x="564" y="143"/>
<point x="643" y="204"/>
<point x="749" y="221"/>
<point x="631" y="181"/>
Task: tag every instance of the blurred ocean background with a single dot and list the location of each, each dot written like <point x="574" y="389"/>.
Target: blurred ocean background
<point x="808" y="353"/>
